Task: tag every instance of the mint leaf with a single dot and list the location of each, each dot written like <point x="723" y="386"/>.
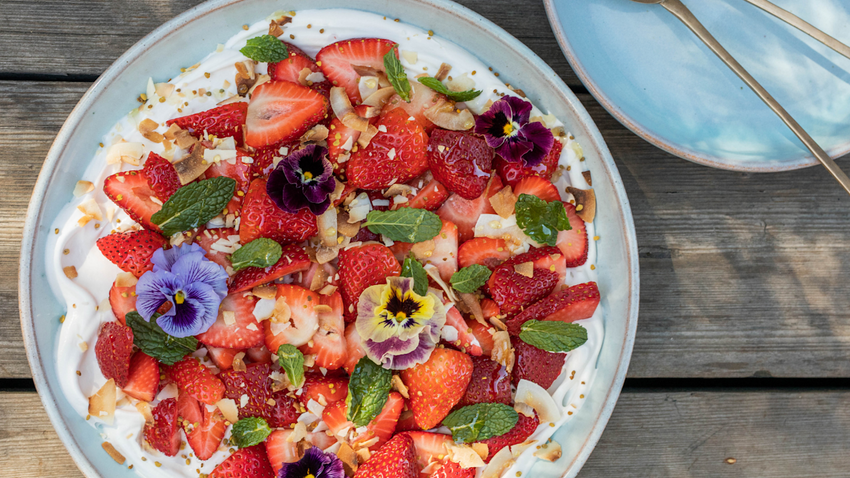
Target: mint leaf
<point x="469" y="279"/>
<point x="481" y="421"/>
<point x="265" y="49"/>
<point x="407" y="224"/>
<point x="292" y="361"/>
<point x="414" y="268"/>
<point x="396" y="74"/>
<point x="249" y="432"/>
<point x="194" y="204"/>
<point x="152" y="340"/>
<point x="368" y="390"/>
<point x="439" y="87"/>
<point x="553" y="335"/>
<point x="540" y="220"/>
<point x="260" y="252"/>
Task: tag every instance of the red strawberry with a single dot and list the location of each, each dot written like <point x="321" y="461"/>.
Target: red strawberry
<point x="512" y="291"/>
<point x="303" y="321"/>
<point x="259" y="354"/>
<point x="450" y="469"/>
<point x="132" y="250"/>
<point x="490" y="309"/>
<point x="197" y="380"/>
<point x="122" y="300"/>
<point x="342" y="140"/>
<point x="519" y="433"/>
<point x="255" y="383"/>
<point x="322" y="389"/>
<point x="396" y="155"/>
<point x="238" y="170"/>
<point x="207" y="237"/>
<point x="537" y="186"/>
<point x="483" y="251"/>
<point x="422" y="98"/>
<point x="353" y="350"/>
<point x="437" y="385"/>
<point x="336" y="61"/>
<point x="491" y="383"/>
<point x="321" y="273"/>
<point x="466" y="341"/>
<point x="361" y="267"/>
<point x="284" y="412"/>
<point x="243" y="334"/>
<point x="535" y="365"/>
<point x="430" y="197"/>
<point x="131" y="192"/>
<point x="293" y="259"/>
<point x="289" y="69"/>
<point x="143" y="377"/>
<point x="113" y="350"/>
<point x="575" y="303"/>
<point x="205" y="435"/>
<point x="406" y="422"/>
<point x="384" y="424"/>
<point x="328" y="343"/>
<point x="393" y="460"/>
<point x="163" y="434"/>
<point x="461" y="161"/>
<point x="262" y="218"/>
<point x="222" y="121"/>
<point x="334" y="417"/>
<point x="222" y="357"/>
<point x="188" y="410"/>
<point x="483" y="334"/>
<point x="161" y="176"/>
<point x="512" y="173"/>
<point x="429" y="447"/>
<point x="546" y="257"/>
<point x="573" y="243"/>
<point x="264" y="158"/>
<point x="465" y="212"/>
<point x="282" y="111"/>
<point x="251" y="462"/>
<point x="280" y="450"/>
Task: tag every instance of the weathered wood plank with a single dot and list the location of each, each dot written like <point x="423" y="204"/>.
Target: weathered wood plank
<point x="651" y="434"/>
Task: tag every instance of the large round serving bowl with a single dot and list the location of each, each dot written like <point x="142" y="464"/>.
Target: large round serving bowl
<point x="188" y="38"/>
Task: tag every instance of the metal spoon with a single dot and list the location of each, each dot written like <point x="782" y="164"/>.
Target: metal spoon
<point x="680" y="11"/>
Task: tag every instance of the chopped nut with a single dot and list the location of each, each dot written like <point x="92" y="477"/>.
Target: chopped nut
<point x="525" y="269"/>
<point x="504" y="202"/>
<point x="148" y="129"/>
<point x="239" y="362"/>
<point x="503" y="353"/>
<point x="550" y="451"/>
<point x="348" y="458"/>
<point x="585" y="203"/>
<point x="265" y="292"/>
<point x="400" y="387"/>
<point x="586" y="175"/>
<point x="83" y="187"/>
<point x="70" y="272"/>
<point x="443" y="72"/>
<point x="108" y="448"/>
<point x="192" y="166"/>
<point x="245" y="76"/>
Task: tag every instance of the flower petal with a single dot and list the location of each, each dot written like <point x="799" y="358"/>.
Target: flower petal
<point x="185" y="320"/>
<point x="520" y="108"/>
<point x="163" y="259"/>
<point x="153" y="290"/>
<point x="195" y="268"/>
<point x="384" y="352"/>
<point x="514" y="148"/>
<point x="542" y="140"/>
<point x="314" y="462"/>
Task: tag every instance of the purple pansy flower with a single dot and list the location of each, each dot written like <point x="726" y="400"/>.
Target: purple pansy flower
<point x="303" y="179"/>
<point x="314" y="464"/>
<point x="506" y="128"/>
<point x="185" y="277"/>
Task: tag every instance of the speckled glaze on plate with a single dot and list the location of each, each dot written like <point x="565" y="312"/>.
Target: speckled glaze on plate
<point x="660" y="81"/>
<point x="188" y="38"/>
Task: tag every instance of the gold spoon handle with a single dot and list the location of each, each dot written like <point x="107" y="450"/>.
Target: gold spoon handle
<point x="677" y="8"/>
<point x="802" y="25"/>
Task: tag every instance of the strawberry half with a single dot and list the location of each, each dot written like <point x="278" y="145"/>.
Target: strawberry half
<point x="280" y="450"/>
<point x="361" y="267"/>
<point x="206" y="435"/>
<point x="466" y="341"/>
<point x="161" y="176"/>
<point x="483" y="333"/>
<point x="429" y="447"/>
<point x="537" y="186"/>
<point x="163" y="434"/>
<point x="395" y="459"/>
<point x="512" y="173"/>
<point x="121" y="301"/>
<point x="535" y="365"/>
<point x="353" y="350"/>
<point x="293" y="259"/>
<point x="523" y="429"/>
<point x="282" y="111"/>
<point x="131" y="251"/>
<point x="461" y="161"/>
<point x="143" y="377"/>
<point x="222" y="357"/>
<point x="575" y="303"/>
<point x="323" y="389"/>
<point x="464" y="213"/>
<point x="573" y="243"/>
<point x="430" y="197"/>
<point x="302" y="323"/>
<point x="113" y="350"/>
<point x="490" y="383"/>
<point x="328" y="343"/>
<point x="237" y="170"/>
<point x="437" y="385"/>
<point x="197" y="380"/>
<point x="131" y="192"/>
<point x="262" y="218"/>
<point x="225" y="121"/>
<point x="337" y="59"/>
<point x="512" y="291"/>
<point x="251" y="462"/>
<point x="342" y="140"/>
<point x="243" y="333"/>
<point x="484" y="251"/>
<point x="256" y="384"/>
<point x="290" y="68"/>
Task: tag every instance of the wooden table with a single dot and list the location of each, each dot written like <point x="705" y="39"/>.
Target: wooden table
<point x="740" y="365"/>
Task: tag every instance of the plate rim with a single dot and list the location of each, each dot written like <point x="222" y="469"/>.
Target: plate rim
<point x="35" y="211"/>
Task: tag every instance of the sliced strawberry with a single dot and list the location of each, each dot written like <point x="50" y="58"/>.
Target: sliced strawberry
<point x="573" y="243"/>
<point x="163" y="434"/>
<point x="122" y="300"/>
<point x="361" y="267"/>
<point x="197" y="380"/>
<point x="236" y="169"/>
<point x="384" y="424"/>
<point x="328" y="343"/>
<point x="262" y="218"/>
<point x="226" y="121"/>
<point x="188" y="410"/>
<point x="244" y="333"/>
<point x="450" y="469"/>
<point x="547" y="257"/>
<point x="205" y="438"/>
<point x="465" y="212"/>
<point x="336" y="61"/>
<point x="255" y="383"/>
<point x="222" y="357"/>
<point x="395" y="459"/>
<point x="342" y="141"/>
<point x="259" y="354"/>
<point x="512" y="173"/>
<point x="251" y="462"/>
<point x="466" y="340"/>
<point x="289" y="69"/>
<point x="537" y="186"/>
<point x="143" y="377"/>
<point x="322" y="389"/>
<point x="396" y="154"/>
<point x="484" y="251"/>
<point x="113" y="350"/>
<point x="280" y="450"/>
<point x="430" y="447"/>
<point x="444" y="254"/>
<point x="161" y="176"/>
<point x="406" y="421"/>
<point x="575" y="303"/>
<point x="282" y="111"/>
<point x="131" y="251"/>
<point x="436" y="386"/>
<point x="264" y="158"/>
<point x="523" y="429"/>
<point x="430" y="197"/>
<point x="490" y="383"/>
<point x="421" y="99"/>
<point x="353" y="350"/>
<point x="461" y="161"/>
<point x="131" y="192"/>
<point x="319" y="275"/>
<point x="207" y="238"/>
<point x="334" y="417"/>
<point x="303" y="321"/>
<point x="293" y="259"/>
<point x="535" y="365"/>
<point x="483" y="334"/>
<point x="512" y="291"/>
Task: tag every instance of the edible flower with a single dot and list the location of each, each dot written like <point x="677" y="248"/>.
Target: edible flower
<point x="314" y="464"/>
<point x="194" y="286"/>
<point x="303" y="179"/>
<point x="399" y="328"/>
<point x="507" y="129"/>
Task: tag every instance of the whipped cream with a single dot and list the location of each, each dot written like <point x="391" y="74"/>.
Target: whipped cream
<point x="200" y="88"/>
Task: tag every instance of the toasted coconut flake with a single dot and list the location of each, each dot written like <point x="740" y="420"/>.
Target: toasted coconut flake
<point x="443" y="72"/>
<point x="525" y="269"/>
<point x="259" y="81"/>
<point x="192" y="166"/>
<point x="164" y="89"/>
<point x="229" y="317"/>
<point x="130" y="153"/>
<point x="516" y="450"/>
<point x="148" y="129"/>
<point x="228" y="409"/>
<point x="348" y="458"/>
<point x="355" y="122"/>
<point x="299" y="432"/>
<point x="320" y="280"/>
<point x="70" y="272"/>
<point x="539" y="399"/>
<point x="359" y="208"/>
<point x="504" y="202"/>
<point x="465" y="456"/>
<point x="500" y="462"/>
<point x="108" y="448"/>
<point x="368" y="85"/>
<point x="363" y="455"/>
<point x="398" y="190"/>
<point x="587" y="177"/>
<point x="180" y="136"/>
<point x="327" y="224"/>
<point x="410" y="56"/>
<point x="327" y="254"/>
<point x="461" y="83"/>
<point x="282" y="312"/>
<point x="550" y="451"/>
<point x="265" y="292"/>
<point x="503" y="353"/>
<point x="239" y="362"/>
<point x="102" y="403"/>
<point x="339" y="188"/>
<point x="399" y="386"/>
<point x="345" y="227"/>
<point x="328" y="289"/>
<point x="423" y="250"/>
<point x="434" y="273"/>
<point x="340" y="104"/>
<point x="302" y="76"/>
<point x="471" y="302"/>
<point x="445" y="115"/>
<point x="366" y="137"/>
<point x="83" y="187"/>
<point x="497" y="322"/>
<point x="482" y="449"/>
<point x="245" y="76"/>
<point x="145" y="409"/>
<point x="315" y="134"/>
<point x="525" y="409"/>
<point x="91" y="210"/>
<point x="379" y="98"/>
<point x="585" y="203"/>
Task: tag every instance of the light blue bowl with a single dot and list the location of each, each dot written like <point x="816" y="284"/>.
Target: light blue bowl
<point x="189" y="37"/>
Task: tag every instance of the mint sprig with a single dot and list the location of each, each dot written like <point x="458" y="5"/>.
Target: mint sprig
<point x="540" y="220"/>
<point x="413" y="268"/>
<point x="407" y="224"/>
<point x="439" y="87"/>
<point x="194" y="204"/>
<point x="292" y="361"/>
<point x="396" y="74"/>
<point x="262" y="252"/>
<point x="481" y="421"/>
<point x="250" y="431"/>
<point x="470" y="278"/>
<point x="368" y="390"/>
<point x="265" y="49"/>
<point x="553" y="335"/>
<point x="152" y="340"/>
